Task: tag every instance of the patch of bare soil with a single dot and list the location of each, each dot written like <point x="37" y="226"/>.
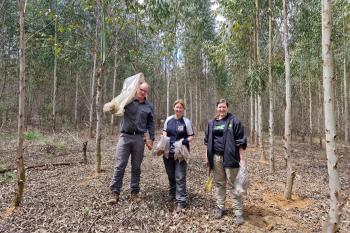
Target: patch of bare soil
<point x="62" y="194"/>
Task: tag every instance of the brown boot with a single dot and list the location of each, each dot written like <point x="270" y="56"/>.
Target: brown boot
<point x="114" y="200"/>
<point x="134" y="197"/>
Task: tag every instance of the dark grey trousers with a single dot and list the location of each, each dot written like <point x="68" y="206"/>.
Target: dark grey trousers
<point x="128" y="145"/>
<point x="177" y="178"/>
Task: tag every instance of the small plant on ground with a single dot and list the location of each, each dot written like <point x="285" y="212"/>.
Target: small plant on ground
<point x="11" y="175"/>
<point x="32" y="135"/>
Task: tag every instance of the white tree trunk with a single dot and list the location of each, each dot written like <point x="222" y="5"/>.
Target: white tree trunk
<point x="271" y="94"/>
<point x="256" y="127"/>
<point x="21" y="106"/>
<point x="288" y="115"/>
<point x="93" y="85"/>
<point x="332" y="158"/>
<point x="252" y="118"/>
<point x="310" y="111"/>
<point x="167" y="76"/>
<point x="320" y="114"/>
<point x="196" y="102"/>
<point x="346" y="106"/>
<point x="191" y="100"/>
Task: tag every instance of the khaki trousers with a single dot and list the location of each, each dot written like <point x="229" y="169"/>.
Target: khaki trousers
<point x="223" y="176"/>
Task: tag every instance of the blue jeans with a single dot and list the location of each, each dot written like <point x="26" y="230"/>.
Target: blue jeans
<point x="128" y="145"/>
<point x="177" y="178"/>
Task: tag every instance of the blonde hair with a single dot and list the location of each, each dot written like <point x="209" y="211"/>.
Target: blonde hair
<point x="179" y="101"/>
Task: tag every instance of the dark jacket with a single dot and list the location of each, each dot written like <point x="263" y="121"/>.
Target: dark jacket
<point x="234" y="138"/>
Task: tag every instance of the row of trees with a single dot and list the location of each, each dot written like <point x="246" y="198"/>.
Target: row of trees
<point x="83" y="50"/>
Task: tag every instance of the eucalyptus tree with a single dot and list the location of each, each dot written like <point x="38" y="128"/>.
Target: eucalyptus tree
<point x="288" y="120"/>
<point x="332" y="158"/>
<point x="55" y="51"/>
<point x="100" y="72"/>
<point x="271" y="95"/>
<point x="21" y="106"/>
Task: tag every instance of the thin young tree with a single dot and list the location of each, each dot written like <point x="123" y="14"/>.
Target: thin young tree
<point x="346" y="98"/>
<point x="329" y="118"/>
<point x="21" y="106"/>
<point x="271" y="107"/>
<point x="288" y="114"/>
<point x="93" y="80"/>
<point x="100" y="74"/>
<point x="55" y="51"/>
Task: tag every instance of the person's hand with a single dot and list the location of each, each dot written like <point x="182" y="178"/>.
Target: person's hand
<point x="149" y="144"/>
<point x="109" y="107"/>
<point x="185" y="142"/>
<point x="206" y="162"/>
<point x="242" y="163"/>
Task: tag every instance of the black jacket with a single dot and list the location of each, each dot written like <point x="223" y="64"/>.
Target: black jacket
<point x="234" y="138"/>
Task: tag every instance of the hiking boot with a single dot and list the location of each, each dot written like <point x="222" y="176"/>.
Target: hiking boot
<point x="113" y="200"/>
<point x="218" y="213"/>
<point x="134" y="197"/>
<point x="180" y="207"/>
<point x="170" y="198"/>
<point x="239" y="219"/>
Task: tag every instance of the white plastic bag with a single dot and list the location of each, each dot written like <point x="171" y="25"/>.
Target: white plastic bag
<point x="242" y="182"/>
<point x="162" y="147"/>
<point x="181" y="151"/>
<point x="127" y="94"/>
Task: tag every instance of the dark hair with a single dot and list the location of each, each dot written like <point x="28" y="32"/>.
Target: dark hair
<point x="222" y="101"/>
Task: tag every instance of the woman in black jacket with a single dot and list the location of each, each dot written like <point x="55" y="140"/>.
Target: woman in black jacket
<point x="226" y="142"/>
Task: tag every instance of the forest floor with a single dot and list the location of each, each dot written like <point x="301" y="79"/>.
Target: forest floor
<point x="64" y="195"/>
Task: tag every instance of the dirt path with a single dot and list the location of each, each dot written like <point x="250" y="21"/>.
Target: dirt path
<point x="72" y="198"/>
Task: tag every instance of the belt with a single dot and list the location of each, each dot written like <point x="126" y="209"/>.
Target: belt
<point x="132" y="133"/>
<point x="219" y="153"/>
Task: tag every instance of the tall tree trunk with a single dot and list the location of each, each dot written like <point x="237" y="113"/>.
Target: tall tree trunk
<point x="175" y="74"/>
<point x="98" y="118"/>
<point x="271" y="93"/>
<point x="262" y="155"/>
<point x="319" y="114"/>
<point x="288" y="115"/>
<point x="302" y="108"/>
<point x="93" y="83"/>
<point x="256" y="126"/>
<point x="310" y="106"/>
<point x="332" y="159"/>
<point x="21" y="106"/>
<point x="113" y="89"/>
<point x="259" y="107"/>
<point x="191" y="100"/>
<point x="252" y="118"/>
<point x="99" y="93"/>
<point x="196" y="99"/>
<point x="167" y="76"/>
<point x="54" y="74"/>
<point x="76" y="100"/>
<point x="346" y="110"/>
